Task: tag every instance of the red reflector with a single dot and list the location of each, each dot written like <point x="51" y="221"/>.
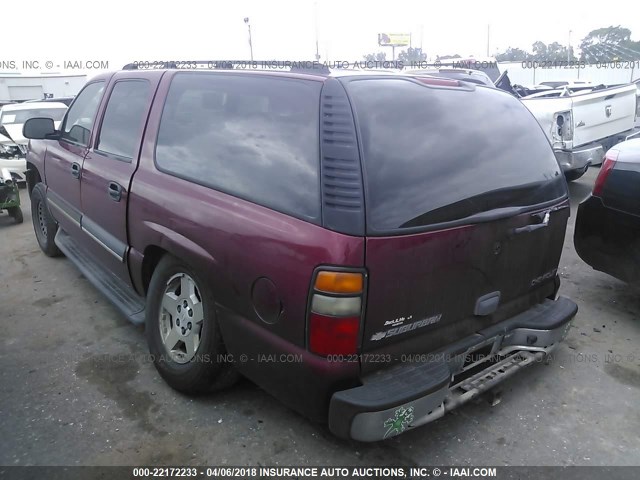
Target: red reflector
<point x="608" y="164"/>
<point x="333" y="335"/>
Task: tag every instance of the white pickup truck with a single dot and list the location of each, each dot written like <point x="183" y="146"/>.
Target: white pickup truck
<point x="581" y="126"/>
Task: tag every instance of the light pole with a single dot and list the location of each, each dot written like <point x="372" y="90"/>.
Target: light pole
<point x="315" y="11"/>
<point x="246" y="20"/>
<point x="569" y="49"/>
<point x="488" y="36"/>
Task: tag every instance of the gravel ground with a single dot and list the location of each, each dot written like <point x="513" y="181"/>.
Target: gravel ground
<point x="77" y="387"/>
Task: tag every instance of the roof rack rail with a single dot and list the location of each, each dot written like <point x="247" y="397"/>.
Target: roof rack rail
<point x="300" y="66"/>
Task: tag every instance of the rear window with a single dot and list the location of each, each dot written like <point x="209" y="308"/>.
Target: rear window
<point x="255" y="137"/>
<point x="437" y="155"/>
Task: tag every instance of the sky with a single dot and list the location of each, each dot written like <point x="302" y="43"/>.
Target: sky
<point x="122" y="31"/>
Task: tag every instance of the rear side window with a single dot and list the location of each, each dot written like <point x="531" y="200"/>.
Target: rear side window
<point x="79" y="121"/>
<point x="123" y="118"/>
<point x="437" y="155"/>
<point x="254" y="137"/>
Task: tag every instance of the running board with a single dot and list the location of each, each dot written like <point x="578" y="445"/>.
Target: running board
<point x="112" y="287"/>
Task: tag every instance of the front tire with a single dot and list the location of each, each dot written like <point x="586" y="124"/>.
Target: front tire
<point x="43" y="223"/>
<point x="182" y="330"/>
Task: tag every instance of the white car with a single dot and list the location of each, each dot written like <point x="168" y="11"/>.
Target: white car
<point x="13" y="145"/>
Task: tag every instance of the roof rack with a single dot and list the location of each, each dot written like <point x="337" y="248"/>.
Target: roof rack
<point x="300" y="66"/>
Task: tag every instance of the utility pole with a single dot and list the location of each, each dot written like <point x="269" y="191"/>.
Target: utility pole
<point x="246" y="20"/>
<point x="315" y="6"/>
<point x="488" y="35"/>
<point x="569" y="49"/>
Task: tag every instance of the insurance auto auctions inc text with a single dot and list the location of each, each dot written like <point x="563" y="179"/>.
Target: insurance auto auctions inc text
<point x="351" y="472"/>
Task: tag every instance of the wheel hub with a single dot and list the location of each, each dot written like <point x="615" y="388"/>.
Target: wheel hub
<point x="184" y="318"/>
<point x="181" y="318"/>
<point x="41" y="219"/>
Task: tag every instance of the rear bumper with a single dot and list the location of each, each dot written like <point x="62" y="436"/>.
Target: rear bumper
<point x="412" y="393"/>
<point x="608" y="240"/>
<point x="578" y="160"/>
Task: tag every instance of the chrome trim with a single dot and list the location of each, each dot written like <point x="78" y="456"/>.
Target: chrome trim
<point x="62" y="211"/>
<point x="102" y="244"/>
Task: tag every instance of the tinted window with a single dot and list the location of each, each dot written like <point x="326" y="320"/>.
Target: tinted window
<point x="255" y="137"/>
<point x="123" y="118"/>
<point x="77" y="125"/>
<point x="434" y="155"/>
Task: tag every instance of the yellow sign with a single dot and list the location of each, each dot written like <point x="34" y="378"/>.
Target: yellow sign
<point x="394" y="39"/>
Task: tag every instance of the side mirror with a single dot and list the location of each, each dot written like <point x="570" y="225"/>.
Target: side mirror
<point x="39" y="128"/>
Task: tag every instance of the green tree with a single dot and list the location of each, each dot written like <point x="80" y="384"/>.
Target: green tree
<point x="513" y="55"/>
<point x="412" y="55"/>
<point x="609" y="44"/>
<point x="557" y="52"/>
<point x="375" y="57"/>
<point x="539" y="50"/>
<point x="447" y="57"/>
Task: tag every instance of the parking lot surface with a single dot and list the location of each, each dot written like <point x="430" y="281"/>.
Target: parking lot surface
<point x="77" y="387"/>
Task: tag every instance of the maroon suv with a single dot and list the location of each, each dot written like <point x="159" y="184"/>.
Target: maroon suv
<point x="372" y="249"/>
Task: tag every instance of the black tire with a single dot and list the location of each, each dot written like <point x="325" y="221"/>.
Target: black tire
<point x="16" y="213"/>
<point x="206" y="371"/>
<point x="44" y="225"/>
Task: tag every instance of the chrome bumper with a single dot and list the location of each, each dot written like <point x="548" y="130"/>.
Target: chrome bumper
<point x="580" y="158"/>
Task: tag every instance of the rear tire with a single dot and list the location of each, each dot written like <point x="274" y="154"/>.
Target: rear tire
<point x="182" y="330"/>
<point x="44" y="225"/>
<point x="16" y="213"/>
<point x="573" y="175"/>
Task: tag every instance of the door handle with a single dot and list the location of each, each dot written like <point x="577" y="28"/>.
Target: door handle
<point x="115" y="191"/>
<point x="75" y="169"/>
<point x="543" y="223"/>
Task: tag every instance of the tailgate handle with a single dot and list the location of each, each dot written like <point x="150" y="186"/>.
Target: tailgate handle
<point x="544" y="222"/>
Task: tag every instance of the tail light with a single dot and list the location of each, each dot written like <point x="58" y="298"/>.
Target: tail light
<point x="607" y="165"/>
<point x="562" y="126"/>
<point x="335" y="312"/>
